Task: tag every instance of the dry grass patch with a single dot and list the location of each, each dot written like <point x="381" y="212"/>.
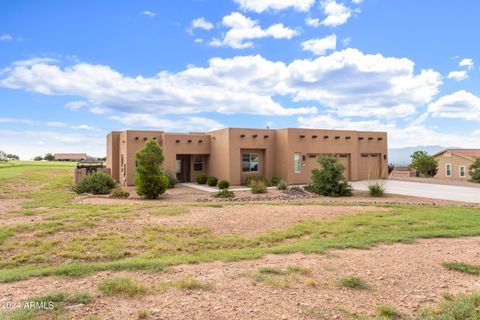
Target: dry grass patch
<point x="353" y="282"/>
<point x="122" y="286"/>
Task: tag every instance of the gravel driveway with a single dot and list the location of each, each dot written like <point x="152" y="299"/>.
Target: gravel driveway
<point x="426" y="190"/>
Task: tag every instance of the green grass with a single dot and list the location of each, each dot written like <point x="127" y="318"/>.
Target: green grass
<point x="122" y="286"/>
<point x="462" y="267"/>
<point x="192" y="284"/>
<point x="461" y="307"/>
<point x="142" y="314"/>
<point x="353" y="282"/>
<point x="73" y="239"/>
<point x="388" y="312"/>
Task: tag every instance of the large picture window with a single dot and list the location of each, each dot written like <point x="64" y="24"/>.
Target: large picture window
<point x="198" y="163"/>
<point x="250" y="162"/>
<point x="297" y="162"/>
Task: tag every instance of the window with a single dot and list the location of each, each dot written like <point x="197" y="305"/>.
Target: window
<point x="179" y="166"/>
<point x="462" y="171"/>
<point x="198" y="163"/>
<point x="250" y="162"/>
<point x="448" y="169"/>
<point x="296" y="162"/>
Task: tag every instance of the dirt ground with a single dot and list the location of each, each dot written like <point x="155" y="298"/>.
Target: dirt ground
<point x="407" y="276"/>
<point x="256" y="219"/>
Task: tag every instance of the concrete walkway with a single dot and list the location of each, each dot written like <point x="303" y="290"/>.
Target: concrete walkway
<point x="426" y="190"/>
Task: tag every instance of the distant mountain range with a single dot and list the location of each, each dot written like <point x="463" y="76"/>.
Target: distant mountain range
<point x="401" y="156"/>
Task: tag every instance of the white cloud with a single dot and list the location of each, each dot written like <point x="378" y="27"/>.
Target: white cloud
<point x="263" y="5"/>
<point x="357" y="1"/>
<point x="147" y="13"/>
<point x="56" y="124"/>
<point x="312" y="22"/>
<point x="243" y="28"/>
<point x="337" y="13"/>
<point x="28" y="144"/>
<point x="6" y="37"/>
<point x="461" y="105"/>
<point x="198" y="40"/>
<point x="202" y="23"/>
<point x="320" y="46"/>
<point x="195" y="124"/>
<point x="346" y="41"/>
<point x="357" y="84"/>
<point x="467" y="62"/>
<point x="19" y="121"/>
<point x="76" y="105"/>
<point x="398" y="137"/>
<point x="347" y="82"/>
<point x="458" y="75"/>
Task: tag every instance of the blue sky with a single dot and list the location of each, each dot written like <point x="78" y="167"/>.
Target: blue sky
<point x="71" y="71"/>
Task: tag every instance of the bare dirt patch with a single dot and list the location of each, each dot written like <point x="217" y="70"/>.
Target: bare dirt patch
<point x="407" y="276"/>
<point x="256" y="219"/>
<point x="9" y="215"/>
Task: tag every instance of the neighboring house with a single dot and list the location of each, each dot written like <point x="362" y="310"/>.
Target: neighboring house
<point x="69" y="156"/>
<point x="454" y="163"/>
<point x="236" y="153"/>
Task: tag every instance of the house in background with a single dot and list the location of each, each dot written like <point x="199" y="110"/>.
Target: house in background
<point x="454" y="163"/>
<point x="69" y="156"/>
<point x="236" y="153"/>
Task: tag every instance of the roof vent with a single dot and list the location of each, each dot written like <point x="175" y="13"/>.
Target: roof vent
<point x="200" y="141"/>
<point x="302" y="136"/>
<point x="314" y="137"/>
<point x="242" y="136"/>
<point x="370" y="138"/>
<point x="380" y="139"/>
<point x="255" y="135"/>
<point x="145" y="138"/>
<point x="189" y="141"/>
<point x="337" y="137"/>
<point x="348" y="137"/>
<point x="265" y="136"/>
<point x="177" y="141"/>
<point x="361" y="138"/>
<point x="325" y="137"/>
<point x="136" y="138"/>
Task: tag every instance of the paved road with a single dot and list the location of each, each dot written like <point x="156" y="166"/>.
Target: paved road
<point x="426" y="190"/>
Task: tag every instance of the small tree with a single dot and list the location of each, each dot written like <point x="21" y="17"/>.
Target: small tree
<point x="424" y="163"/>
<point x="38" y="158"/>
<point x="150" y="180"/>
<point x="329" y="181"/>
<point x="474" y="171"/>
<point x="3" y="156"/>
<point x="12" y="157"/>
<point x="49" y="157"/>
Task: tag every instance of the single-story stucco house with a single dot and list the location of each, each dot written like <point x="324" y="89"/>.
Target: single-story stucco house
<point x="454" y="163"/>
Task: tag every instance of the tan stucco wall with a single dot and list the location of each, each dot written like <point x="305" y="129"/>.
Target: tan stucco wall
<point x="222" y="150"/>
<point x="456" y="162"/>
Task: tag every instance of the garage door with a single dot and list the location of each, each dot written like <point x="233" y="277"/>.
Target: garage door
<point x="369" y="166"/>
<point x="345" y="160"/>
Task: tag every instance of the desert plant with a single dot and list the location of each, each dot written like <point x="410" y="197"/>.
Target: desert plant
<point x="258" y="186"/>
<point x="250" y="179"/>
<point x="142" y="314"/>
<point x="353" y="282"/>
<point x="275" y="180"/>
<point x="224" y="193"/>
<point x="223" y="184"/>
<point x="202" y="178"/>
<point x="329" y="181"/>
<point x="172" y="180"/>
<point x="376" y="189"/>
<point x="95" y="183"/>
<point x="388" y="312"/>
<point x="212" y="181"/>
<point x="474" y="171"/>
<point x="282" y="185"/>
<point x="150" y="180"/>
<point x="424" y="163"/>
<point x="121" y="286"/>
<point x="119" y="193"/>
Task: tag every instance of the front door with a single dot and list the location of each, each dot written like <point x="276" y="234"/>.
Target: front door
<point x="183" y="167"/>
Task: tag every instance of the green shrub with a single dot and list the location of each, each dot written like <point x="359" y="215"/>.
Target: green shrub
<point x="250" y="179"/>
<point x="353" y="282"/>
<point x="376" y="189"/>
<point x="212" y="181"/>
<point x="202" y="178"/>
<point x="258" y="186"/>
<point x="474" y="171"/>
<point x="282" y="185"/>
<point x="224" y="193"/>
<point x="96" y="183"/>
<point x="223" y="184"/>
<point x="119" y="193"/>
<point x="424" y="163"/>
<point x="150" y="180"/>
<point x="275" y="180"/>
<point x="388" y="312"/>
<point x="142" y="314"/>
<point x="172" y="180"/>
<point x="329" y="181"/>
